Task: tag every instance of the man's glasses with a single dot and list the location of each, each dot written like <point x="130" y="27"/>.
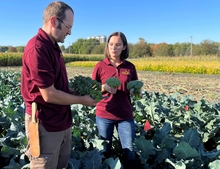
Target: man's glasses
<point x="67" y="26"/>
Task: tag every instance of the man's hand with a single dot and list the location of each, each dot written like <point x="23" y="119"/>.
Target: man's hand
<point x="88" y="101"/>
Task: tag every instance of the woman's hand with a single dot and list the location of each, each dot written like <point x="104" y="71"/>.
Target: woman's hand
<point x="107" y="88"/>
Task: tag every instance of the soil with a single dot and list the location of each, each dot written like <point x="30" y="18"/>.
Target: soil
<point x="198" y="86"/>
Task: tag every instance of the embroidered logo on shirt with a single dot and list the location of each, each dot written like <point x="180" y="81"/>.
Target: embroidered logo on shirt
<point x="126" y="72"/>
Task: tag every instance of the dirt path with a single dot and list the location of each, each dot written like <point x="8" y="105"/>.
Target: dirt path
<point x="198" y="86"/>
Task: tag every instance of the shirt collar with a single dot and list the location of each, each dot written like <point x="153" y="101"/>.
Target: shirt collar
<point x="106" y="61"/>
<point x="47" y="39"/>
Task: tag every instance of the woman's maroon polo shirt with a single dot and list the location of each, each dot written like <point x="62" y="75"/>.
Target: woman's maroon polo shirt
<point x="117" y="106"/>
<point x="43" y="66"/>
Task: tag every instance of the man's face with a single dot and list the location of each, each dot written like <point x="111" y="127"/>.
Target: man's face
<point x="64" y="27"/>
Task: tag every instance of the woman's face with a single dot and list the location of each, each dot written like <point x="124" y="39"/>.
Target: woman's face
<point x="115" y="46"/>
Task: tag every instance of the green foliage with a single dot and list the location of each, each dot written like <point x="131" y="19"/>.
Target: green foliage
<point x="10" y="59"/>
<point x="141" y="49"/>
<point x="12" y="49"/>
<point x="113" y="82"/>
<point x="73" y="57"/>
<point x="179" y="137"/>
<point x="12" y="135"/>
<point x="181" y="49"/>
<point x="181" y="131"/>
<point x="15" y="59"/>
<point x="209" y="47"/>
<point x="3" y="48"/>
<point x="98" y="49"/>
<point x="86" y="86"/>
<point x="135" y="88"/>
<point x="20" y="49"/>
<point x="62" y="48"/>
<point x="85" y="46"/>
<point x="162" y="49"/>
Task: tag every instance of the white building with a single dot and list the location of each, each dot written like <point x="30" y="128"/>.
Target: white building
<point x="102" y="39"/>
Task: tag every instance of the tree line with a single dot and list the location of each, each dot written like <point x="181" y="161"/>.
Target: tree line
<point x="140" y="49"/>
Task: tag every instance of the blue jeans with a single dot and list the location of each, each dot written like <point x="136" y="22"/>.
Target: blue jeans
<point x="126" y="132"/>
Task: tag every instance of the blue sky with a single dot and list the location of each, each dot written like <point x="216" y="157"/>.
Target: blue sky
<point x="156" y="21"/>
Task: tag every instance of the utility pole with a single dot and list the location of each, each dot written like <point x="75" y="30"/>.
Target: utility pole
<point x="191" y="46"/>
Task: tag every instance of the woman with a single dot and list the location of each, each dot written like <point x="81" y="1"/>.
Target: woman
<point x="116" y="108"/>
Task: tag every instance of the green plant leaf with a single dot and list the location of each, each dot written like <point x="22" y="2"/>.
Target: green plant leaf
<point x="184" y="151"/>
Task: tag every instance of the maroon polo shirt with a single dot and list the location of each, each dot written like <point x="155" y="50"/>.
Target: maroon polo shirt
<point x="116" y="106"/>
<point x="42" y="67"/>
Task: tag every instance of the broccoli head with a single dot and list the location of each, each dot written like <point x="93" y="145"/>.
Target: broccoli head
<point x="113" y="82"/>
<point x="135" y="88"/>
<point x="86" y="86"/>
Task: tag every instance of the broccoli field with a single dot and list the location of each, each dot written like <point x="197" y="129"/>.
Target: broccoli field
<point x="184" y="132"/>
<point x="196" y="85"/>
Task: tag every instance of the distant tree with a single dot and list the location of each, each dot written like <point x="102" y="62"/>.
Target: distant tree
<point x="89" y="45"/>
<point x="171" y="50"/>
<point x="141" y="40"/>
<point x="98" y="49"/>
<point x="197" y="50"/>
<point x="131" y="46"/>
<point x="20" y="49"/>
<point x="218" y="44"/>
<point x="188" y="51"/>
<point x="161" y="49"/>
<point x="12" y="49"/>
<point x="62" y="48"/>
<point x="177" y="49"/>
<point x="87" y="49"/>
<point x="85" y="46"/>
<point x="209" y="47"/>
<point x="151" y="48"/>
<point x="70" y="49"/>
<point x="77" y="46"/>
<point x="141" y="49"/>
<point x="3" y="48"/>
<point x="181" y="49"/>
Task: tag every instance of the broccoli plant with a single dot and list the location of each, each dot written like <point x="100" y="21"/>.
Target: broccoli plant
<point x="135" y="88"/>
<point x="86" y="86"/>
<point x="113" y="82"/>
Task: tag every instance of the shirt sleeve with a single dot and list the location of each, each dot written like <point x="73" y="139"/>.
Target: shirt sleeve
<point x="96" y="74"/>
<point x="41" y="67"/>
<point x="134" y="75"/>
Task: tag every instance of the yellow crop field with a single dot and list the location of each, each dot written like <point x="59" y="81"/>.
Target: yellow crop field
<point x="185" y="64"/>
<point x="194" y="65"/>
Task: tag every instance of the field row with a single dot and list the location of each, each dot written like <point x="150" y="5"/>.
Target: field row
<point x="194" y="65"/>
<point x="171" y="65"/>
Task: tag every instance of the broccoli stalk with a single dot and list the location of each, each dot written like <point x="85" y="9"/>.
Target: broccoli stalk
<point x="135" y="88"/>
<point x="86" y="86"/>
<point x="113" y="82"/>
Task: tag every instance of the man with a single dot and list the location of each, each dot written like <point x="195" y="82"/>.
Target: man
<point x="44" y="81"/>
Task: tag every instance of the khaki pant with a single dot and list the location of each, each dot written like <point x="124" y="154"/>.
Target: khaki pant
<point x="55" y="148"/>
